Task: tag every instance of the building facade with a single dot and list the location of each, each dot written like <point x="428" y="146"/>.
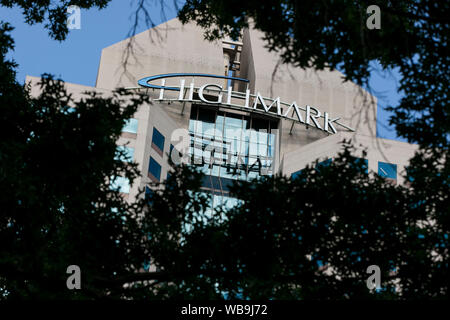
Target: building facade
<point x="232" y="109"/>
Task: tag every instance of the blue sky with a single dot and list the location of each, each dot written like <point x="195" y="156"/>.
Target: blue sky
<point x="77" y="58"/>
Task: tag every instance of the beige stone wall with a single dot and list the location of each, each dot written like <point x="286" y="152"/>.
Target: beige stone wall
<point x="167" y="48"/>
<point x="322" y="89"/>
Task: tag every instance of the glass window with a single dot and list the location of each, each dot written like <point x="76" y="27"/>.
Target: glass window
<point x="158" y="139"/>
<point x="247" y="149"/>
<point x="387" y="170"/>
<point x="146" y="266"/>
<point x="296" y="174"/>
<point x="364" y="163"/>
<point x="171" y="148"/>
<point x="148" y="192"/>
<point x="233" y="121"/>
<point x="154" y="169"/>
<point x="130" y="126"/>
<point x="124" y="154"/>
<point x="121" y="184"/>
<point x="324" y="163"/>
<point x="149" y="195"/>
<point x="409" y="170"/>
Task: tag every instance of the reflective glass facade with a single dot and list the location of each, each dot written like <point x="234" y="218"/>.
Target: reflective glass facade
<point x="229" y="146"/>
<point x="130" y="126"/>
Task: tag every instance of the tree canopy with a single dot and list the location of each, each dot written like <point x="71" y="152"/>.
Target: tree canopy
<point x="332" y="34"/>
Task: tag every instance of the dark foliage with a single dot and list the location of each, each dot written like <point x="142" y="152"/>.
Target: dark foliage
<point x="57" y="207"/>
<point x="53" y="14"/>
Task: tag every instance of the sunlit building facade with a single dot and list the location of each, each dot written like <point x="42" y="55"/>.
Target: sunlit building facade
<point x="234" y="111"/>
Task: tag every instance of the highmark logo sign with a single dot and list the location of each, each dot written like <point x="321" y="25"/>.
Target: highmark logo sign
<point x="217" y="95"/>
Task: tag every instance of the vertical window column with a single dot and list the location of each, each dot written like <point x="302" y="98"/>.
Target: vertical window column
<point x="154" y="170"/>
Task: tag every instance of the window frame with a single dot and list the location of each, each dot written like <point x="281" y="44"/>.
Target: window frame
<point x="151" y="174"/>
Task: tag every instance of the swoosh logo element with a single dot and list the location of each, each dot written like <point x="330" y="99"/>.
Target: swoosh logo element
<point x="144" y="82"/>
